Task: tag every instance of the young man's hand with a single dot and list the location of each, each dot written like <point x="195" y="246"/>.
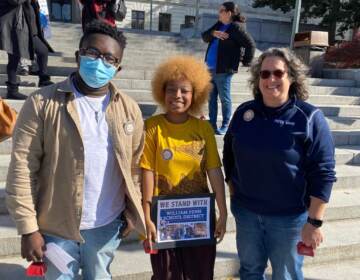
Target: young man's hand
<point x="33" y="246"/>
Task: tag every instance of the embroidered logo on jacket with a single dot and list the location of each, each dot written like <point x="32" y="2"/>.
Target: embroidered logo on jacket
<point x="282" y="123"/>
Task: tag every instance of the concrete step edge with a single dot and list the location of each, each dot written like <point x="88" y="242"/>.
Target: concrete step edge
<point x="128" y="258"/>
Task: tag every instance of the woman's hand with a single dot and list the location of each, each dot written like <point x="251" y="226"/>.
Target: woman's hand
<point x="311" y="236"/>
<point x="220" y="228"/>
<point x="220" y="35"/>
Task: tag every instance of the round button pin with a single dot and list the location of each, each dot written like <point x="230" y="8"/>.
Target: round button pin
<point x="167" y="154"/>
<point x="248" y="115"/>
<point x="129" y="128"/>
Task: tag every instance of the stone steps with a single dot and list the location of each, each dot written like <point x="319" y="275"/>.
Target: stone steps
<point x="66" y="53"/>
<point x="134" y="41"/>
<point x="343" y="206"/>
<point x="339" y="100"/>
<point x="243" y="96"/>
<point x="341" y="138"/>
<point x="239" y="81"/>
<point x="335" y="122"/>
<point x="132" y="52"/>
<point x="344" y="270"/>
<point x="29" y="84"/>
<point x="345" y="129"/>
<point x="348" y="153"/>
<point x="348" y="176"/>
<point x="140" y="79"/>
<point x="348" y="181"/>
<point x="344" y="155"/>
<point x="126" y="263"/>
<point x="166" y="43"/>
<point x="144" y="95"/>
<point x="132" y="70"/>
<point x="332" y="82"/>
<point x="340" y="110"/>
<point x="163" y="43"/>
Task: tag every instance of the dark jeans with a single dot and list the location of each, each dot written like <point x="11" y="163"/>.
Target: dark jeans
<point x="41" y="52"/>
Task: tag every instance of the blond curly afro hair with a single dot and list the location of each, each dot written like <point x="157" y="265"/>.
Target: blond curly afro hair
<point x="179" y="68"/>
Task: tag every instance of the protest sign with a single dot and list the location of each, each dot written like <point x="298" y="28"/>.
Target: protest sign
<point x="183" y="221"/>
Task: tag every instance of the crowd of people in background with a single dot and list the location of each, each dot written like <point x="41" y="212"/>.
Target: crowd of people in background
<point x="85" y="167"/>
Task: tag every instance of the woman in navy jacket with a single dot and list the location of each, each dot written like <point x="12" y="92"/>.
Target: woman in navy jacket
<point x="279" y="164"/>
<point x="228" y="40"/>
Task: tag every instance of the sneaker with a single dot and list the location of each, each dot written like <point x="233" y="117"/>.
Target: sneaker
<point x="222" y="130"/>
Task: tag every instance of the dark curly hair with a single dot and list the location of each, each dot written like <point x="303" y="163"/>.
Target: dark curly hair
<point x="235" y="11"/>
<point x="100" y="27"/>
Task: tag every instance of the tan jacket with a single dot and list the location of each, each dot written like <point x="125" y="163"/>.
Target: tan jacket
<point x="44" y="189"/>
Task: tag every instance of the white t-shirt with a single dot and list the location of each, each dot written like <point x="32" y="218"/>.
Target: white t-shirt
<point x="104" y="196"/>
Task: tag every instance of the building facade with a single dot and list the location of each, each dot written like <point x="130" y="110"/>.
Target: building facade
<point x="161" y="15"/>
<point x="268" y="26"/>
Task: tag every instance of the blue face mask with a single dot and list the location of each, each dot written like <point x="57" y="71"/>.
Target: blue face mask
<point x="95" y="73"/>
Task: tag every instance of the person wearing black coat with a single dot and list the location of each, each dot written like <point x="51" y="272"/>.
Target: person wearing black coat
<point x="229" y="43"/>
<point x="21" y="36"/>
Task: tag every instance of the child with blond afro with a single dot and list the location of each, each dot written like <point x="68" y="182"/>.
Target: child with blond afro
<point x="180" y="153"/>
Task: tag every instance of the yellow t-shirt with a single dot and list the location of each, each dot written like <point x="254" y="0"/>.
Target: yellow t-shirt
<point x="179" y="155"/>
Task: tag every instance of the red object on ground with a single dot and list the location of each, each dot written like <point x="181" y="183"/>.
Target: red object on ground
<point x="36" y="269"/>
<point x="147" y="249"/>
<point x="302" y="249"/>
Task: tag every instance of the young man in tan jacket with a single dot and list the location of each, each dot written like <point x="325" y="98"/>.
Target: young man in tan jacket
<point x="74" y="177"/>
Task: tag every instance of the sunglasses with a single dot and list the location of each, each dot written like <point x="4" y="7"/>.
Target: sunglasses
<point x="265" y="74"/>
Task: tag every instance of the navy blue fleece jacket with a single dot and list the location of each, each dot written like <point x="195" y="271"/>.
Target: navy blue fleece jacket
<point x="277" y="158"/>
